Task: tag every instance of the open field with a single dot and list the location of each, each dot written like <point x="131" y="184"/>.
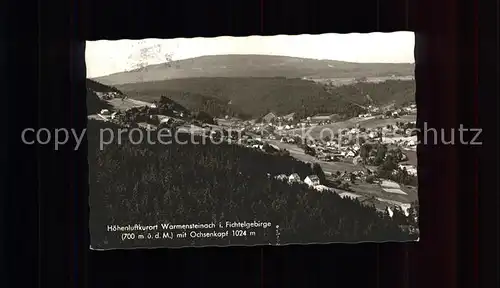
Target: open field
<point x="376" y="190"/>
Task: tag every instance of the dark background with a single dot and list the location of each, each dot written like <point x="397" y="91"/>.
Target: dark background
<point x="44" y="213"/>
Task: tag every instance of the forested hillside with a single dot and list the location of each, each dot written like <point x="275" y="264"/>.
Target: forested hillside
<point x="250" y="96"/>
<point x="183" y="184"/>
<point x="391" y="91"/>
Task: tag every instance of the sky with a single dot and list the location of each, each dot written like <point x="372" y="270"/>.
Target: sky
<point x="105" y="57"/>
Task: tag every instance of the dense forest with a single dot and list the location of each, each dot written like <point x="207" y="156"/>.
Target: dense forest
<point x="399" y="92"/>
<point x="183" y="184"/>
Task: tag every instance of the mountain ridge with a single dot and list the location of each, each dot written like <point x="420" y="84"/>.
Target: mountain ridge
<point x="238" y="65"/>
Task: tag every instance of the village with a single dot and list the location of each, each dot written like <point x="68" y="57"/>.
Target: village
<point x="371" y="157"/>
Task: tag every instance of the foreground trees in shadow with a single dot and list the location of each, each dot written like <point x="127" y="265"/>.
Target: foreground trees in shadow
<point x="183" y="184"/>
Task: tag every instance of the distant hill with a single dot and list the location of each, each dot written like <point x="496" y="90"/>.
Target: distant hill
<point x="257" y="66"/>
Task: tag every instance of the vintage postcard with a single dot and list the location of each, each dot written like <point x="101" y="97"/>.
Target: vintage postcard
<point x="260" y="140"/>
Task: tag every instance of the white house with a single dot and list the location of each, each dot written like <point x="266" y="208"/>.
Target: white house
<point x="312" y="180"/>
<point x="104" y="112"/>
<point x="409" y="168"/>
<point x="356" y="160"/>
<point x="350" y="154"/>
<point x="293" y="178"/>
<point x="281" y="177"/>
<point x="390" y="211"/>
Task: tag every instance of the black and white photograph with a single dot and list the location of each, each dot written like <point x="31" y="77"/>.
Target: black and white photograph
<point x="258" y="140"/>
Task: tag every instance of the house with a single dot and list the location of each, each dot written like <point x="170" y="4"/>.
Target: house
<point x="281" y="177"/>
<point x="166" y="120"/>
<point x="412" y="170"/>
<point x="312" y="180"/>
<point x="289" y="117"/>
<point x="269" y="117"/>
<point x="354" y="131"/>
<point x="294" y="178"/>
<point x="357" y="160"/>
<point x="104" y="112"/>
<point x="390" y="211"/>
<point x="350" y="154"/>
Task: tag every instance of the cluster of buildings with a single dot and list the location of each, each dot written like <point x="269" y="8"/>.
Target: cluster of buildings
<point x="344" y="146"/>
<point x="397" y="112"/>
<point x="311" y="180"/>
